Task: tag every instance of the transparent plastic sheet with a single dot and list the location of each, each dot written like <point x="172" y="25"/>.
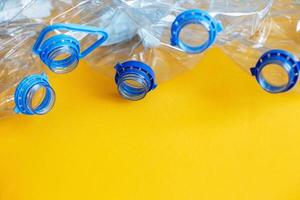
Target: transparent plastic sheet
<point x="24" y="88"/>
<point x="271" y="54"/>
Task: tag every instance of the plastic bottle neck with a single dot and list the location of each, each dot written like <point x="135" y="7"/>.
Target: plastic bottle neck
<point x="34" y="95"/>
<point x="134" y="80"/>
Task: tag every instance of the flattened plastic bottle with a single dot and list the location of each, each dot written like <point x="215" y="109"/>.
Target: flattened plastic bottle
<point x="272" y="54"/>
<point x="194" y="26"/>
<point x="24" y="87"/>
<point x="50" y="49"/>
<point x="108" y="57"/>
<point x="60" y="51"/>
<point x="146" y="67"/>
<point x="149" y="61"/>
<point x="138" y="69"/>
<point x="103" y="23"/>
<point x="173" y="36"/>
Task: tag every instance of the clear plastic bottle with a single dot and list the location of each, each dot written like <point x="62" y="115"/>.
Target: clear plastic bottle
<point x="102" y="23"/>
<point x="138" y="64"/>
<point x="172" y="38"/>
<point x="60" y="52"/>
<point x="194" y="26"/>
<point x="145" y="67"/>
<point x="24" y="87"/>
<point x="271" y="54"/>
<point x="137" y="69"/>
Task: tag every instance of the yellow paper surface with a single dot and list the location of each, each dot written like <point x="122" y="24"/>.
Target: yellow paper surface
<point x="210" y="134"/>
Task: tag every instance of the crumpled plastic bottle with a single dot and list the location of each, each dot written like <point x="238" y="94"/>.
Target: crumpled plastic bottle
<point x="272" y="53"/>
<point x="24" y="86"/>
<point x="143" y="59"/>
<point x="194" y="26"/>
<point x="172" y="36"/>
<point x="60" y="53"/>
<point x="102" y="23"/>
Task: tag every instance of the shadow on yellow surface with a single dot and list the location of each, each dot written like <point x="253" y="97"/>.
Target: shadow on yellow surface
<point x="211" y="133"/>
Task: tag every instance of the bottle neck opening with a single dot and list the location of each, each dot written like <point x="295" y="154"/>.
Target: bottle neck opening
<point x="40" y="99"/>
<point x="133" y="87"/>
<point x="63" y="59"/>
<point x="277" y="71"/>
<point x="34" y="95"/>
<point x="194" y="31"/>
<point x="61" y="53"/>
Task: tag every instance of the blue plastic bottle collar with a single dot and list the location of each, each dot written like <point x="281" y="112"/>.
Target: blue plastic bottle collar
<point x="134" y="79"/>
<point x="282" y="58"/>
<point x="26" y="91"/>
<point x="52" y="48"/>
<point x="196" y="16"/>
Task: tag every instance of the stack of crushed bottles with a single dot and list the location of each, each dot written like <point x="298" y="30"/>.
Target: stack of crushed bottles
<point x="140" y="43"/>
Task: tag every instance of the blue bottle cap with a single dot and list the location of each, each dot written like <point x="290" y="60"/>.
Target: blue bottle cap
<point x="134" y="80"/>
<point x="196" y="16"/>
<point x="68" y="48"/>
<point x="27" y="91"/>
<point x="283" y="59"/>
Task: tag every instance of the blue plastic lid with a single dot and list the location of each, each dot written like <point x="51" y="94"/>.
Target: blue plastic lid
<point x="134" y="79"/>
<point x="196" y="16"/>
<point x="283" y="59"/>
<point x="27" y="91"/>
<point x="52" y="48"/>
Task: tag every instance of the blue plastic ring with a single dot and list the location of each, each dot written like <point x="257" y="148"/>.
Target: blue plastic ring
<point x="138" y="70"/>
<point x="61" y="44"/>
<point x="24" y="95"/>
<point x="196" y="16"/>
<point x="282" y="58"/>
<point x="58" y="45"/>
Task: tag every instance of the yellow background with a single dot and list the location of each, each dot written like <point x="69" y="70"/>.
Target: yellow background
<point x="209" y="134"/>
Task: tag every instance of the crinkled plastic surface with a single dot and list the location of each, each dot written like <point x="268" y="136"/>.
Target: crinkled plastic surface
<point x="16" y="63"/>
<point x="108" y="15"/>
<point x="92" y="21"/>
<point x="153" y="33"/>
<point x="278" y="31"/>
<point x="238" y="19"/>
<point x="16" y="58"/>
<point x="32" y="10"/>
<point x="147" y="46"/>
<point x="21" y="72"/>
<point x="154" y="20"/>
